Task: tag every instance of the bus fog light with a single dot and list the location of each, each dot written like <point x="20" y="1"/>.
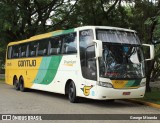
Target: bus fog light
<point x="143" y="84"/>
<point x="105" y="84"/>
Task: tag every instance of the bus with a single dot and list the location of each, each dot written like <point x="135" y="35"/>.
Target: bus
<point x="96" y="62"/>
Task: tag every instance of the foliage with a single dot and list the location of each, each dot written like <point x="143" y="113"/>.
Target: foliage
<point x="156" y="39"/>
<point x="21" y="19"/>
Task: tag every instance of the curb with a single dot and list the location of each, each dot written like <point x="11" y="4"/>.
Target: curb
<point x="144" y="103"/>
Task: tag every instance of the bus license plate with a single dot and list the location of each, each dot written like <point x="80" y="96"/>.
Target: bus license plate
<point x="126" y="93"/>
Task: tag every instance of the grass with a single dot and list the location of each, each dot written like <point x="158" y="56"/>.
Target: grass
<point x="153" y="96"/>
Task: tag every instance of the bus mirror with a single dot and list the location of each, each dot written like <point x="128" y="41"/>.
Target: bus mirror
<point x="98" y="48"/>
<point x="151" y="51"/>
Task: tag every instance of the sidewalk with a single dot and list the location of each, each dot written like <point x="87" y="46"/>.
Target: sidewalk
<point x="2" y="76"/>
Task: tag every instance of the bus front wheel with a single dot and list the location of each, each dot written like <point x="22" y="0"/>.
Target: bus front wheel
<point x="72" y="93"/>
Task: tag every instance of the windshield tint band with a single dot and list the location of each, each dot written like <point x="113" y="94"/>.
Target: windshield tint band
<point x="117" y="36"/>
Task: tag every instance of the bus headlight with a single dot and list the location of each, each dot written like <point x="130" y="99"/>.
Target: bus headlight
<point x="105" y="84"/>
<point x="143" y="84"/>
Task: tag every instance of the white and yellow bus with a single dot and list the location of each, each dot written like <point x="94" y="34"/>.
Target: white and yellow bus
<point x="96" y="62"/>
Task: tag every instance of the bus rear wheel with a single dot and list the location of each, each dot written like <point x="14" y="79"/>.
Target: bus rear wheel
<point x="72" y="93"/>
<point x="16" y="84"/>
<point x="21" y="85"/>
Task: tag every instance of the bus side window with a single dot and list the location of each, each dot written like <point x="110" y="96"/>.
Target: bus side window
<point x="15" y="52"/>
<point x="69" y="44"/>
<point x="55" y="46"/>
<point x="87" y="54"/>
<point x="23" y="49"/>
<point x="42" y="47"/>
<point x="9" y="53"/>
<point x="33" y="46"/>
<point x="27" y="51"/>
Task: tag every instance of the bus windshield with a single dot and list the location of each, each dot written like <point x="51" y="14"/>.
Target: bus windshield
<point x="121" y="60"/>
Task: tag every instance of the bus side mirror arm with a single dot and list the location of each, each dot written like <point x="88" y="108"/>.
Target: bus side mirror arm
<point x="152" y="54"/>
<point x="98" y="48"/>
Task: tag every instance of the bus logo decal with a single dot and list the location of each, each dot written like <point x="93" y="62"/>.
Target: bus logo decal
<point x="86" y="33"/>
<point x="86" y="90"/>
<point x="69" y="63"/>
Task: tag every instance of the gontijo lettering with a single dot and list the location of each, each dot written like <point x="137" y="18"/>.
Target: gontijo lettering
<point x="26" y="63"/>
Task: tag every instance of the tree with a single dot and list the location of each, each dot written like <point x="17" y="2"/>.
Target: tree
<point x="21" y="19"/>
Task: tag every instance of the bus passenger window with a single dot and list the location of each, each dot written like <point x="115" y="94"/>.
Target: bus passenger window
<point x="54" y="51"/>
<point x="33" y="46"/>
<point x="23" y="54"/>
<point x="42" y="47"/>
<point x="70" y="44"/>
<point x="42" y="52"/>
<point x="22" y="50"/>
<point x="55" y="46"/>
<point x="9" y="52"/>
<point x="33" y="53"/>
<point x="15" y="53"/>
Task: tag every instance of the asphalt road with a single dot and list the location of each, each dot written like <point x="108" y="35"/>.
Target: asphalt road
<point x="39" y="102"/>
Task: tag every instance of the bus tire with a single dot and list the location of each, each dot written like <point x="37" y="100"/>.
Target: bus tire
<point x="16" y="83"/>
<point x="21" y="85"/>
<point x="72" y="93"/>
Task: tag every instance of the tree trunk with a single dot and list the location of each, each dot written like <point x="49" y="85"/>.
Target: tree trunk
<point x="149" y="65"/>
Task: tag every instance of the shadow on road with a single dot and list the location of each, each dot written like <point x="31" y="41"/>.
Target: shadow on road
<point x="85" y="101"/>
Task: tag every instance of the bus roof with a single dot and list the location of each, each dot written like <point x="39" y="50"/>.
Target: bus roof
<point x="36" y="37"/>
<point x="105" y="27"/>
<point x="59" y="32"/>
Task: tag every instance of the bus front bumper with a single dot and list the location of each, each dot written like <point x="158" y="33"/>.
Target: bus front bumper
<point x="104" y="93"/>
